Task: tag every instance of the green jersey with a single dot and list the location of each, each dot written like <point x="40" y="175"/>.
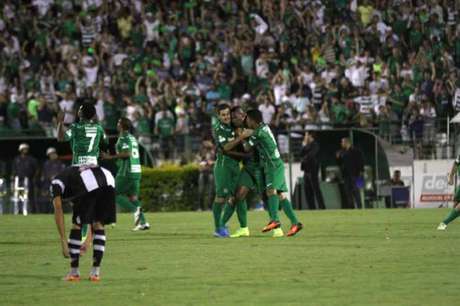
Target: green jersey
<point x="222" y="134"/>
<point x="265" y="144"/>
<point x="131" y="166"/>
<point x="166" y="126"/>
<point x="252" y="163"/>
<point x="85" y="139"/>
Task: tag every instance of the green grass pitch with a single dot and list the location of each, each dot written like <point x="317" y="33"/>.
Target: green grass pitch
<point x="371" y="257"/>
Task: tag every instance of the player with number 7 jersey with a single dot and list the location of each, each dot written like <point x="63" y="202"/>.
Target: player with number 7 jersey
<point x="85" y="137"/>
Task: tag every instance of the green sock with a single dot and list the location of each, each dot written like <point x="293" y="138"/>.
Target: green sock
<point x="125" y="203"/>
<point x="453" y="214"/>
<point x="137" y="203"/>
<point x="228" y="213"/>
<point x="84" y="232"/>
<point x="289" y="211"/>
<point x="242" y="213"/>
<point x="216" y="213"/>
<point x="273" y="207"/>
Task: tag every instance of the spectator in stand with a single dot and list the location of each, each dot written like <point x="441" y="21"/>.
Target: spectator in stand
<point x="67" y="106"/>
<point x="165" y="130"/>
<point x="267" y="109"/>
<point x="45" y="117"/>
<point x="182" y="130"/>
<point x="416" y="124"/>
<point x="221" y="51"/>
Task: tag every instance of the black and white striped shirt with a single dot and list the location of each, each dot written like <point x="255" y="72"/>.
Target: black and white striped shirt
<point x="88" y="34"/>
<point x="318" y="94"/>
<point x="75" y="182"/>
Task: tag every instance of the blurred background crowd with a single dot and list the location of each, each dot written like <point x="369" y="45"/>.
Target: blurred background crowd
<point x="387" y="65"/>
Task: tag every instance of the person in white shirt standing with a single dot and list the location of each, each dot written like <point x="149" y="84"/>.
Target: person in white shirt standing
<point x="67" y="106"/>
<point x="268" y="110"/>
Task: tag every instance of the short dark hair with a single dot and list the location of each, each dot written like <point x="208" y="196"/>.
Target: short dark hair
<point x="255" y="115"/>
<point x="235" y="108"/>
<point x="221" y="107"/>
<point x="125" y="123"/>
<point x="88" y="111"/>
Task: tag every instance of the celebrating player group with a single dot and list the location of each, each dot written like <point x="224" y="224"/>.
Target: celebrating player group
<point x="248" y="159"/>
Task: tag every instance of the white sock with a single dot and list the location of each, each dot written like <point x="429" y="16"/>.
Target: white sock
<point x="74" y="271"/>
<point x="95" y="270"/>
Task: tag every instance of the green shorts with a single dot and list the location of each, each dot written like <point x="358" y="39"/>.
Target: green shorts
<point x="274" y="176"/>
<point x="251" y="179"/>
<point x="226" y="175"/>
<point x="127" y="185"/>
<point x="457" y="195"/>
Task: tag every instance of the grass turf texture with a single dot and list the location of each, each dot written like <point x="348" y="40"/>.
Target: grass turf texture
<point x="372" y="257"/>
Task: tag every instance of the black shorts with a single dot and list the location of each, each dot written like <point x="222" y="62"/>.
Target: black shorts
<point x="95" y="206"/>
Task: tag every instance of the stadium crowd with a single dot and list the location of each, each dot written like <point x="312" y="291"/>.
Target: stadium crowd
<point x="392" y="65"/>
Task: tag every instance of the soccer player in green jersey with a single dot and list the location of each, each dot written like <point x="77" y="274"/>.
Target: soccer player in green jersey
<point x="128" y="178"/>
<point x="226" y="168"/>
<point x="455" y="212"/>
<point x="85" y="137"/>
<point x="249" y="179"/>
<point x="261" y="138"/>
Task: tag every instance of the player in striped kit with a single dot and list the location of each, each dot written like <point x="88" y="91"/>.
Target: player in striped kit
<point x="128" y="179"/>
<point x="91" y="189"/>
